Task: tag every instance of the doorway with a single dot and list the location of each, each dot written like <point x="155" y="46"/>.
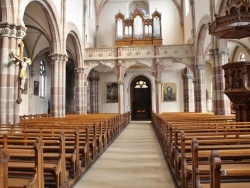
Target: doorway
<point x="140" y="99"/>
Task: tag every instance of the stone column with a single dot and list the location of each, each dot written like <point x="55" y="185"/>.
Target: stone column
<point x="85" y="90"/>
<point x="221" y="103"/>
<point x="93" y="81"/>
<point x="157" y="69"/>
<point x="120" y="70"/>
<point x="158" y="95"/>
<point x="188" y="87"/>
<point x="200" y="89"/>
<point x="121" y="95"/>
<point x="58" y="80"/>
<point x="5" y="32"/>
<point x="11" y="36"/>
<point x="79" y="79"/>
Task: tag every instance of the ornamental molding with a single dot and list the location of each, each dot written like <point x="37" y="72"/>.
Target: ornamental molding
<point x="139" y="52"/>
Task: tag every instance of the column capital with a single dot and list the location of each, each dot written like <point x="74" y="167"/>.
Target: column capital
<point x="201" y="66"/>
<point x="5" y="32"/>
<point x="20" y="32"/>
<point x="119" y="82"/>
<point x="79" y="70"/>
<point x="218" y="52"/>
<point x="158" y="81"/>
<point x="57" y="58"/>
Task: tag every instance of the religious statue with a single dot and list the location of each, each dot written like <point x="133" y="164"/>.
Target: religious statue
<point x="23" y="62"/>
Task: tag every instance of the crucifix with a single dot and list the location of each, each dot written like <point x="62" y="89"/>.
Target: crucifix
<point x="23" y="62"/>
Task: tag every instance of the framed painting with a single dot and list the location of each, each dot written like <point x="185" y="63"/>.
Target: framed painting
<point x="111" y="92"/>
<point x="168" y="92"/>
<point x="36" y="87"/>
<point x="25" y="89"/>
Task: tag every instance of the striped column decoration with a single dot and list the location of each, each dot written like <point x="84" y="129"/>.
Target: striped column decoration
<point x="200" y="89"/>
<point x="221" y="103"/>
<point x="93" y="81"/>
<point x="188" y="90"/>
<point x="58" y="78"/>
<point x="79" y="80"/>
<point x="121" y="96"/>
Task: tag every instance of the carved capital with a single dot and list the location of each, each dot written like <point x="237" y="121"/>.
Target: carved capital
<point x="219" y="52"/>
<point x="158" y="81"/>
<point x="79" y="70"/>
<point x="119" y="82"/>
<point x="201" y="67"/>
<point x="58" y="58"/>
<point x="5" y="32"/>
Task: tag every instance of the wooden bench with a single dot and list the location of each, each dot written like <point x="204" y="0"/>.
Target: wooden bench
<point x="218" y="172"/>
<point x="13" y="174"/>
<point x="54" y="164"/>
<point x="226" y="132"/>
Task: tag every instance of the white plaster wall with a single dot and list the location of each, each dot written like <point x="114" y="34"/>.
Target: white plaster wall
<point x="187" y="24"/>
<point x="74" y="13"/>
<point x="106" y="23"/>
<point x="239" y="50"/>
<point x="178" y="105"/>
<point x="201" y="9"/>
<point x="31" y="103"/>
<point x="90" y="35"/>
<point x="103" y="106"/>
<point x="57" y="4"/>
<point x="172" y="32"/>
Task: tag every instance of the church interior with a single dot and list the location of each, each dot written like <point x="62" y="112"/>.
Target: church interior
<point x="76" y="76"/>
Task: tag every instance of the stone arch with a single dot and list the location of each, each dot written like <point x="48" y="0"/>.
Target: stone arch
<point x="4" y="12"/>
<point x="140" y="109"/>
<point x="50" y="11"/>
<point x="221" y="7"/>
<point x="73" y="31"/>
<point x="240" y="44"/>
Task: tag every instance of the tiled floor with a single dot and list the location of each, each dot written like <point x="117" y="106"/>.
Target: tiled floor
<point x="134" y="160"/>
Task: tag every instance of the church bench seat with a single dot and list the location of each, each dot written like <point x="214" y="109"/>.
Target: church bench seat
<point x="219" y="173"/>
<point x="223" y="134"/>
<point x="18" y="177"/>
<point x="196" y="166"/>
<point x="53" y="156"/>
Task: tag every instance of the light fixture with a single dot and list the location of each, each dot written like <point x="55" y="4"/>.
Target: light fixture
<point x="141" y="84"/>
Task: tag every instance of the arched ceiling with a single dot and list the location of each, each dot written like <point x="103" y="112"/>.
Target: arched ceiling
<point x="100" y="3"/>
<point x="38" y="34"/>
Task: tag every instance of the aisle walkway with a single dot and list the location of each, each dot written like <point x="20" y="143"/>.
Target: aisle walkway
<point x="134" y="160"/>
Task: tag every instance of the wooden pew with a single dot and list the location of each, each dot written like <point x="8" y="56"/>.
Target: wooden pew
<point x="16" y="168"/>
<point x="219" y="172"/>
<point x="170" y="139"/>
<point x="101" y="135"/>
<point x="232" y="159"/>
<point x="53" y="153"/>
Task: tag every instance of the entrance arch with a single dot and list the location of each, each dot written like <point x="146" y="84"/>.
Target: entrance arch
<point x="141" y="99"/>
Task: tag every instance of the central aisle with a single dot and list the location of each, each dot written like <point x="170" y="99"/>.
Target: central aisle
<point x="134" y="159"/>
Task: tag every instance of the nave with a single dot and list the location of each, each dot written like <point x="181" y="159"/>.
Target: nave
<point x="134" y="159"/>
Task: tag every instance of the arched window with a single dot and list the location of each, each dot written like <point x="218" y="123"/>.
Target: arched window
<point x="141" y="84"/>
<point x="186" y="7"/>
<point x="42" y="79"/>
<point x="242" y="57"/>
